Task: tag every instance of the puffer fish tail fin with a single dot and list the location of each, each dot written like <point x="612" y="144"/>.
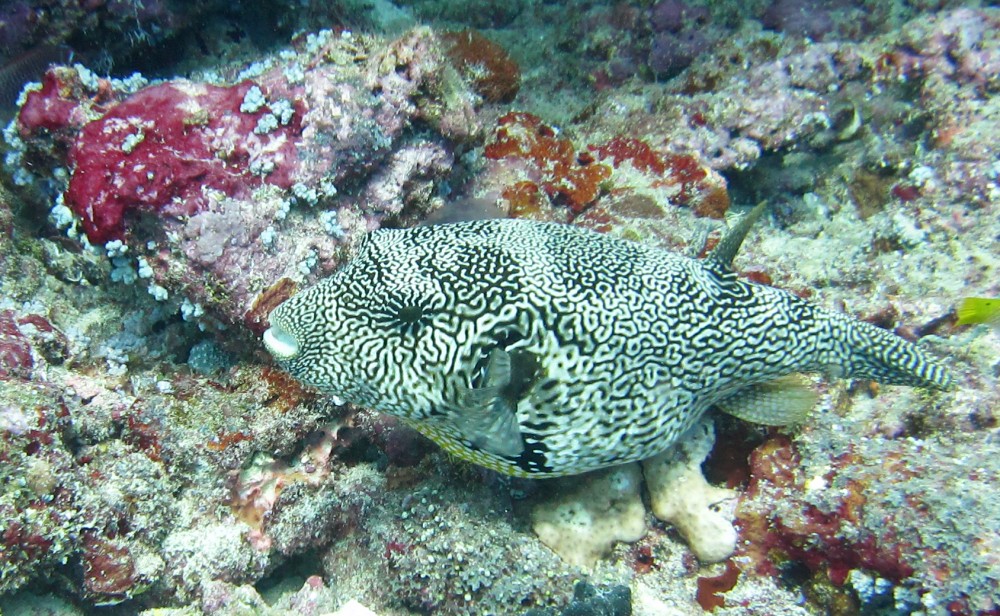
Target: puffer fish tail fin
<point x="870" y="352"/>
<point x="720" y="260"/>
<point x="487" y="418"/>
<point x="784" y="401"/>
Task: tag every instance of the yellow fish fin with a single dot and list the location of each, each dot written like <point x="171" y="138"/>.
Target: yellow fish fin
<point x="973" y="310"/>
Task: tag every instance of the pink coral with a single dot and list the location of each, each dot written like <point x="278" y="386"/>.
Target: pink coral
<point x="162" y="147"/>
<point x="15" y="348"/>
<point x="48" y="108"/>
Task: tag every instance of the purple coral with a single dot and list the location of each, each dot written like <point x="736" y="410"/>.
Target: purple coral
<point x="679" y="36"/>
<point x="808" y="18"/>
<point x="17" y="23"/>
<point x="673" y="16"/>
<point x="672" y="53"/>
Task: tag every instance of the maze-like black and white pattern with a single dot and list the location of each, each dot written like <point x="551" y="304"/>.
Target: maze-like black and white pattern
<point x="616" y="348"/>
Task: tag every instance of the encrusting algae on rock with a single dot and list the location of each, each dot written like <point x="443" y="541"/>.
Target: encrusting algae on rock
<point x="544" y="350"/>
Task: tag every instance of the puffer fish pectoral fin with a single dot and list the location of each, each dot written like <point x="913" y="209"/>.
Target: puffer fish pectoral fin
<point x="486" y="417"/>
<point x="496" y="376"/>
<point x="493" y="429"/>
<point x="781" y="402"/>
<point x="498" y="369"/>
<point x="721" y="259"/>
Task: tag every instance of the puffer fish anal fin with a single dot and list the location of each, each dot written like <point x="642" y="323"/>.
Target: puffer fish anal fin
<point x="721" y="259"/>
<point x="784" y="401"/>
<point x="486" y="417"/>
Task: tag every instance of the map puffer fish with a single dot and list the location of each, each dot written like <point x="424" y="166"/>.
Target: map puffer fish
<point x="539" y="349"/>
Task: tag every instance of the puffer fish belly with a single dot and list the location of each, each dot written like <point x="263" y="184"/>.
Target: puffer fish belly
<point x="541" y="349"/>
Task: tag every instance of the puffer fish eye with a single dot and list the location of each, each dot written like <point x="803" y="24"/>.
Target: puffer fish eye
<point x="407" y="318"/>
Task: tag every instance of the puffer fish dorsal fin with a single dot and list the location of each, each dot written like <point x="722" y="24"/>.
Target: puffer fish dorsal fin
<point x="486" y="417"/>
<point x="721" y="259"/>
<point x="784" y="401"/>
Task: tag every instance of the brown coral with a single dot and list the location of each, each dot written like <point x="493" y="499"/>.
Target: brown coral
<point x="486" y="65"/>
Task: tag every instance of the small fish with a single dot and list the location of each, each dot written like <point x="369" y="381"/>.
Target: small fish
<point x="464" y="210"/>
<point x="539" y="350"/>
<point x="974" y="310"/>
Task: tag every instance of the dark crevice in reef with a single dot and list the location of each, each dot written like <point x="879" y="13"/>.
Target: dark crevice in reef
<point x="782" y="179"/>
<point x="290" y="575"/>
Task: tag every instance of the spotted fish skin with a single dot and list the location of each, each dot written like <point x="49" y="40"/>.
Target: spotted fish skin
<point x="613" y="349"/>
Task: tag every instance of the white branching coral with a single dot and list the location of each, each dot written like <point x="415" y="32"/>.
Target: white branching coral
<point x="679" y="494"/>
<point x="592" y="512"/>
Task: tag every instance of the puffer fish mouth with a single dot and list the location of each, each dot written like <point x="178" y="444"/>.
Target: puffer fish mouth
<point x="280" y="343"/>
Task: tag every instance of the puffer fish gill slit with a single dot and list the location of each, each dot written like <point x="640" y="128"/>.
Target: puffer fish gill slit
<point x="539" y="349"/>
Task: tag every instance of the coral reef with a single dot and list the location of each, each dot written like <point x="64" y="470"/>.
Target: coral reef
<point x="544" y="176"/>
<point x="613" y="601"/>
<point x="23" y="24"/>
<point x="151" y="460"/>
<point x="197" y="182"/>
<point x="862" y="514"/>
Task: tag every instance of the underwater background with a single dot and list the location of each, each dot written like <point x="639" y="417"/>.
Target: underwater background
<point x="176" y="170"/>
